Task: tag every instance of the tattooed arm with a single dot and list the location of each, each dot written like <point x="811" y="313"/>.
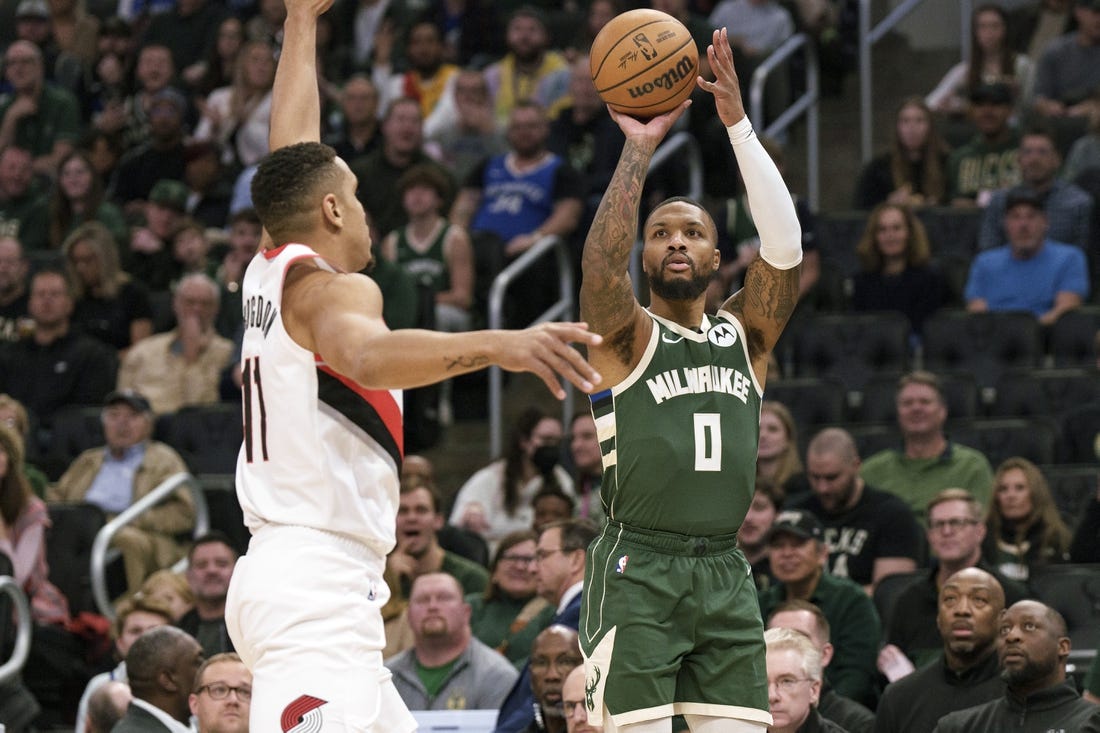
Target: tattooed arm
<point x="769" y="295"/>
<point x="607" y="294"/>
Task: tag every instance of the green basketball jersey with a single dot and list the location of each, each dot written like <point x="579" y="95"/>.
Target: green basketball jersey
<point x="428" y="268"/>
<point x="679" y="435"/>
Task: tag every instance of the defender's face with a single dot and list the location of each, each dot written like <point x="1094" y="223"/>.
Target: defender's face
<point x="356" y="228"/>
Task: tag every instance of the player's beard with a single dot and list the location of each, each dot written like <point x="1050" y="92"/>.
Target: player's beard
<point x="679" y="289"/>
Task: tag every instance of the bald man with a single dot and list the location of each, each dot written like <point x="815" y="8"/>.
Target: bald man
<point x="967" y="671"/>
<point x="1032" y="646"/>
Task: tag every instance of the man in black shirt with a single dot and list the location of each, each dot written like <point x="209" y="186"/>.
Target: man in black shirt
<point x="869" y="533"/>
<point x="1032" y="647"/>
<point x="13" y="288"/>
<point x="966" y="673"/>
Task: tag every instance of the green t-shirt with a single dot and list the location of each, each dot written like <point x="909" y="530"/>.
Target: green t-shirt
<point x="57" y="119"/>
<point x="433" y="677"/>
<point x="917" y="480"/>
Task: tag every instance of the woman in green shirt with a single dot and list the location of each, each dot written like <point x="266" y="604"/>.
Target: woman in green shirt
<point x="509" y="615"/>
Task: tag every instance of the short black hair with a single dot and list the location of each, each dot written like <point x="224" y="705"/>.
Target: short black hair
<point x="285" y="188"/>
<point x="213" y="537"/>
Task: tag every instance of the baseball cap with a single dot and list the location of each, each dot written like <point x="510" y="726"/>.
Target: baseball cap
<point x="995" y="93"/>
<point x="170" y="194"/>
<point x="136" y="401"/>
<point x="32" y="9"/>
<point x="798" y="522"/>
<point x="1019" y="195"/>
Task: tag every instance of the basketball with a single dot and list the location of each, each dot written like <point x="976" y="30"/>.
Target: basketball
<point x="644" y="63"/>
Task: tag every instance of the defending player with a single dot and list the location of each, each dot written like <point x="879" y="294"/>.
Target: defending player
<point x="670" y="623"/>
<point x="317" y="473"/>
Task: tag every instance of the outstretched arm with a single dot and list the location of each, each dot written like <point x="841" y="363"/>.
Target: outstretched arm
<point x="607" y="294"/>
<point x="338" y="317"/>
<point x="295" y="98"/>
<point x="770" y="293"/>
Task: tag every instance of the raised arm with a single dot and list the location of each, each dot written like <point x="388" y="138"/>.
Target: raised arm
<point x="769" y="295"/>
<point x="295" y="98"/>
<point x="607" y="294"/>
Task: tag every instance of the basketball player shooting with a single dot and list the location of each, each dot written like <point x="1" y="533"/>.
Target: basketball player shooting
<point x="317" y="475"/>
<point x="670" y="622"/>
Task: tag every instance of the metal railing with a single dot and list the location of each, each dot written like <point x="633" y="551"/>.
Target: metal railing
<point x="562" y="309"/>
<point x="102" y="553"/>
<point x="869" y="36"/>
<point x="806" y="104"/>
<point x="22" y="648"/>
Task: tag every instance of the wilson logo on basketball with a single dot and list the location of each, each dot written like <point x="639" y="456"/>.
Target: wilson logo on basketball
<point x="303" y="715"/>
<point x="682" y="70"/>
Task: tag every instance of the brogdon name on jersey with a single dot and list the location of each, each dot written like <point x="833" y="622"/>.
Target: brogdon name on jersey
<point x="681" y="431"/>
<point x="336" y="446"/>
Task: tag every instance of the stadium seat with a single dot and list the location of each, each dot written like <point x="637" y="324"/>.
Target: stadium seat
<point x="1081" y="434"/>
<point x="71" y="432"/>
<point x="1074" y="591"/>
<point x="951" y="232"/>
<point x="838" y="234"/>
<point x="889" y="588"/>
<point x="852" y="347"/>
<point x="69" y="551"/>
<point x="983" y="344"/>
<point x="871" y="439"/>
<point x="812" y="401"/>
<point x="1072" y="341"/>
<point x="219" y="490"/>
<point x="1071" y="485"/>
<point x="208" y="437"/>
<point x="1032" y="438"/>
<point x="464" y="542"/>
<point x="1029" y="393"/>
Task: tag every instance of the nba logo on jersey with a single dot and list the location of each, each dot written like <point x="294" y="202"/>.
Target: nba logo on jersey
<point x="621" y="566"/>
<point x="373" y="592"/>
<point x="303" y="715"/>
<point x="723" y="335"/>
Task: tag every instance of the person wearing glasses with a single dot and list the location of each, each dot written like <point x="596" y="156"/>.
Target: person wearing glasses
<point x="794" y="683"/>
<point x="573" y="705"/>
<point x="955" y="533"/>
<point x="509" y="614"/>
<point x="222" y="696"/>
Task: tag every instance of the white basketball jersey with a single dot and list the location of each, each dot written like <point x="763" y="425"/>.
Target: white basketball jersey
<point x="319" y="450"/>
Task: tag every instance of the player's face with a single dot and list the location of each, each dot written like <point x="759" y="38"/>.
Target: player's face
<point x="920" y="410"/>
<point x="1013" y="495"/>
<point x="790" y="693"/>
<point x="953" y="535"/>
<point x="355" y="218"/>
<point x="553" y="657"/>
<point x="229" y="714"/>
<point x="417" y="522"/>
<point x="1028" y="644"/>
<point x="210" y="570"/>
<point x="969" y="610"/>
<point x="679" y="255"/>
<point x="833" y="479"/>
<point x="758" y="520"/>
<point x="515" y="572"/>
<point x="436" y="608"/>
<point x="585" y="446"/>
<point x="773" y="436"/>
<point x="793" y="558"/>
<point x="136" y="624"/>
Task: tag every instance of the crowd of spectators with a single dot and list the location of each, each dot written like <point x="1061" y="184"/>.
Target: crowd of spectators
<point x="128" y="137"/>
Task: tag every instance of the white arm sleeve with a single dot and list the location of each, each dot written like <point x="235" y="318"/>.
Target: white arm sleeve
<point x="769" y="200"/>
